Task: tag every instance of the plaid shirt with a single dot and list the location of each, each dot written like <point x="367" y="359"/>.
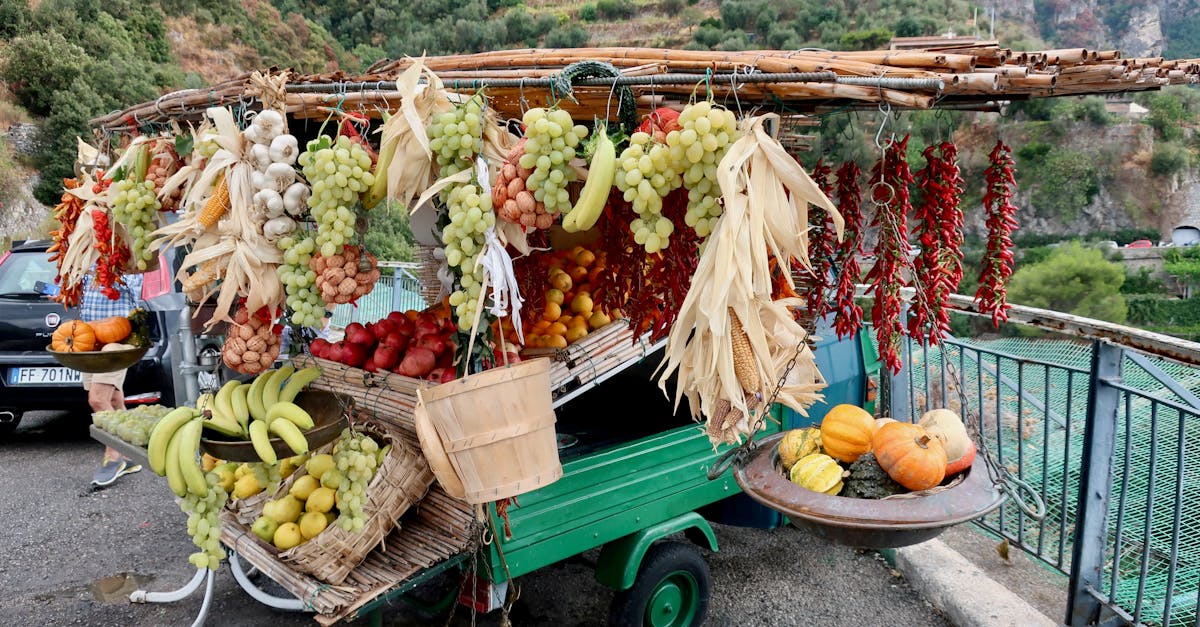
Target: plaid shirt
<point x="97" y="306"/>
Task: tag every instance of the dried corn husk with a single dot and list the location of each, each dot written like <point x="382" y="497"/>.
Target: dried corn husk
<point x="766" y="195"/>
<point x="246" y="259"/>
<point x="411" y="169"/>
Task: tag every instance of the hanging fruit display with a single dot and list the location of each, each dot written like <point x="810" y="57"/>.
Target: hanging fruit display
<point x="253" y="342"/>
<point x="345" y="277"/>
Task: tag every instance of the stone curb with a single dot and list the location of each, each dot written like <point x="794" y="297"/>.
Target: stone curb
<point x="963" y="592"/>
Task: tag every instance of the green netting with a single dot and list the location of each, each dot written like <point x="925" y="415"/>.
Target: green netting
<point x="1033" y="415"/>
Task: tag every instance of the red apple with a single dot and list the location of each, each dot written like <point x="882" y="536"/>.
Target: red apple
<point x="385" y="358"/>
<point x="442" y="375"/>
<point x="382" y="329"/>
<point x="404" y="326"/>
<point x="319" y="347"/>
<point x="433" y="342"/>
<point x="418" y="362"/>
<point x="334" y="352"/>
<point x="358" y="334"/>
<point x="445" y="359"/>
<point x="370" y="366"/>
<point x="354" y="355"/>
<point x="397" y="316"/>
<point x="425" y="326"/>
<point x="395" y="340"/>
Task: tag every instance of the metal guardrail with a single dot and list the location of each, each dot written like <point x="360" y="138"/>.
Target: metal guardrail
<point x="1112" y="443"/>
<point x="400" y="291"/>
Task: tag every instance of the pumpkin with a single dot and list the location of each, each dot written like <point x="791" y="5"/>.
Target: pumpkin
<point x="955" y="466"/>
<point x="879" y="422"/>
<point x="910" y="455"/>
<point x="846" y="432"/>
<point x="76" y="336"/>
<point x="819" y="473"/>
<point x="798" y="443"/>
<point x="947" y="427"/>
<point x="112" y="329"/>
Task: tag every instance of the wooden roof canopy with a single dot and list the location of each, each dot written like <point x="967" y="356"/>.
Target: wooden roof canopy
<point x="974" y="75"/>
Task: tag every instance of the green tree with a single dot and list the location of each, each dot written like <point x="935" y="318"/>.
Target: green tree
<point x="1074" y="280"/>
<point x="39" y="64"/>
<point x="389" y="236"/>
<point x="1184" y="265"/>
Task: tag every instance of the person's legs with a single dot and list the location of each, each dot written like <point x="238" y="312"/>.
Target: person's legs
<point x="100" y="398"/>
<point x="106" y="394"/>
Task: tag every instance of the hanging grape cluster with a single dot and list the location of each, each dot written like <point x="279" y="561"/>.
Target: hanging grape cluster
<point x="204" y="523"/>
<point x="356" y="457"/>
<point x="303" y="298"/>
<point x="551" y="138"/>
<point x="337" y="171"/>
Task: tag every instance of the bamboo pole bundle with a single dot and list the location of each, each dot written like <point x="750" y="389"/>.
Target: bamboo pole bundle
<point x="1066" y="56"/>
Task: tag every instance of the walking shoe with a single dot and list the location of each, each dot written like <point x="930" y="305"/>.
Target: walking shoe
<point x="112" y="469"/>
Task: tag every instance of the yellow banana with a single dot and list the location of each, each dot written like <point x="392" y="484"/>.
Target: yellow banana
<point x="204" y="402"/>
<point x="241" y="407"/>
<point x="270" y="394"/>
<point x="160" y="437"/>
<point x="292" y="412"/>
<point x="224" y="399"/>
<point x="296" y="382"/>
<point x="254" y="396"/>
<point x="189" y="448"/>
<point x="262" y="442"/>
<point x="173" y="471"/>
<point x="290" y="433"/>
<point x="594" y="195"/>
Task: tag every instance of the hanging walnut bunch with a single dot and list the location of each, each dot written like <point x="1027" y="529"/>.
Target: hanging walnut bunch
<point x="345" y="278"/>
<point x="512" y="201"/>
<point x="252" y="343"/>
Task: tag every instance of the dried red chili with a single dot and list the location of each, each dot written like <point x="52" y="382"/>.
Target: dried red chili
<point x="67" y="214"/>
<point x="937" y="270"/>
<point x="848" y="317"/>
<point x="997" y="264"/>
<point x="822" y="242"/>
<point x="655" y="301"/>
<point x="624" y="259"/>
<point x="114" y="255"/>
<point x="890" y="178"/>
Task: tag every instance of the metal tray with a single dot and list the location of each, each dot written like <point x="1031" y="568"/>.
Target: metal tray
<point x="96" y="362"/>
<point x="869" y="523"/>
<point x="328" y="411"/>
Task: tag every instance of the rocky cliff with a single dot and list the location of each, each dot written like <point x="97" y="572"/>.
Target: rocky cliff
<point x="1136" y="27"/>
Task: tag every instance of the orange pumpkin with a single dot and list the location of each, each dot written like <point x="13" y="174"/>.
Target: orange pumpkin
<point x="112" y="329"/>
<point x="846" y="432"/>
<point x="75" y="336"/>
<point x="909" y="455"/>
<point x="955" y="466"/>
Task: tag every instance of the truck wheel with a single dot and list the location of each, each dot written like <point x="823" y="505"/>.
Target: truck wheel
<point x="671" y="590"/>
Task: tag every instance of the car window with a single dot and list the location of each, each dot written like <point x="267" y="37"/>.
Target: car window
<point x="22" y="270"/>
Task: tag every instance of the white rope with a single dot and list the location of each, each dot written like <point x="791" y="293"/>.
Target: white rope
<point x="498" y="268"/>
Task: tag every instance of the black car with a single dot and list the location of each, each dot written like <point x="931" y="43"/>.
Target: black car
<point x="30" y="378"/>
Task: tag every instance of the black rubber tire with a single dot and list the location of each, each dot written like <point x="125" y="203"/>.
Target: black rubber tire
<point x="7" y="428"/>
<point x="663" y="560"/>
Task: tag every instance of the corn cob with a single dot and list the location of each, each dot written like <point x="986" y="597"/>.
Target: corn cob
<point x="743" y="356"/>
<point x="205" y="274"/>
<point x="217" y="204"/>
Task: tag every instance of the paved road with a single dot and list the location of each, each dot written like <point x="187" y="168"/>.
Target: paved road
<point x="66" y="545"/>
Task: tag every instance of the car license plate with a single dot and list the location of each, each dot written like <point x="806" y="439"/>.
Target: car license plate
<point x="44" y="376"/>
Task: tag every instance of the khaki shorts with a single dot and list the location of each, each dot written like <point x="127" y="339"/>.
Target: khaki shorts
<point x="115" y="379"/>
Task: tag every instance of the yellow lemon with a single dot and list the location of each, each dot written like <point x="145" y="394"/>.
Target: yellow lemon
<point x="287" y="536"/>
<point x="304" y="487"/>
<point x="319" y="464"/>
<point x="312" y="523"/>
<point x="321" y="500"/>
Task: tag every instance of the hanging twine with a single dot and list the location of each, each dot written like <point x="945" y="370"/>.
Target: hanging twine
<point x="270" y="89"/>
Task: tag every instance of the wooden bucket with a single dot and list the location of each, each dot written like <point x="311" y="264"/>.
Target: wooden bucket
<point x="497" y="429"/>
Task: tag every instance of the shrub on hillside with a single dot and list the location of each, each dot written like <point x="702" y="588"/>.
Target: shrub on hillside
<point x="1075" y="280"/>
<point x="1168" y="158"/>
<point x="38" y="65"/>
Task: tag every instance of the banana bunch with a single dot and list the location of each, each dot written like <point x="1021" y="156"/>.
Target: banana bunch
<point x="594" y="195"/>
<point x="174" y="451"/>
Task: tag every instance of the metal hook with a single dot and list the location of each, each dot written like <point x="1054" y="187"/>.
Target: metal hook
<point x="733" y="87"/>
<point x="522" y="103"/>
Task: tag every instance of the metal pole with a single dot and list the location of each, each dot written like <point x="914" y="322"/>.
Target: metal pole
<point x="187" y="344"/>
<point x="1095" y="486"/>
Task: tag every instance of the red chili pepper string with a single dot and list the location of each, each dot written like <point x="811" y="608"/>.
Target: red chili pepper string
<point x="848" y="318"/>
<point x="624" y="259"/>
<point x="890" y="178"/>
<point x="938" y="268"/>
<point x="530" y="271"/>
<point x="114" y="255"/>
<point x="997" y="266"/>
<point x="822" y="242"/>
<point x="669" y="276"/>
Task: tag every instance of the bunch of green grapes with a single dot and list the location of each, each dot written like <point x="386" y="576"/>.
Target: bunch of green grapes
<point x="456" y="136"/>
<point x="204" y="523"/>
<point x="705" y="133"/>
<point x="356" y="457"/>
<point x="303" y="298"/>
<point x="338" y="171"/>
<point x="266" y="474"/>
<point x="646" y="173"/>
<point x="132" y="425"/>
<point x="135" y="205"/>
<point x="551" y="140"/>
<point x="471" y="216"/>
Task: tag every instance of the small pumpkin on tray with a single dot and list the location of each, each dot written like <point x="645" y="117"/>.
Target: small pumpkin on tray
<point x="74" y="336"/>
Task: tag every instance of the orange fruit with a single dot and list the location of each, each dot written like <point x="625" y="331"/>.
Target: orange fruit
<point x="585" y="257"/>
<point x="556" y="341"/>
<point x="598" y="319"/>
<point x="575" y="334"/>
<point x="561" y="281"/>
<point x="554" y="296"/>
<point x="540" y="325"/>
<point x="556" y="328"/>
<point x="552" y="310"/>
<point x="578" y="273"/>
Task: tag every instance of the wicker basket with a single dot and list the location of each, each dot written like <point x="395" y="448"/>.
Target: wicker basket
<point x="401" y="481"/>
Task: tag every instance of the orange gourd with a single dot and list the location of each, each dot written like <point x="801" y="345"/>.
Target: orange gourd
<point x="75" y="336"/>
<point x="846" y="432"/>
<point x="112" y="329"/>
<point x="909" y="455"/>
